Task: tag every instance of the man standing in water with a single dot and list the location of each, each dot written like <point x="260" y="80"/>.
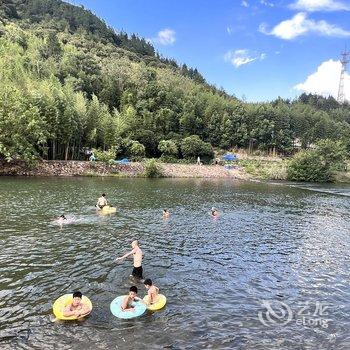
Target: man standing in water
<point x="102" y="201"/>
<point x="137" y="253"/>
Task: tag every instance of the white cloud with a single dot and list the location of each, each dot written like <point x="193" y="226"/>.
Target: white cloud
<point x="241" y="57"/>
<point x="325" y="81"/>
<point x="244" y="3"/>
<point x="300" y="25"/>
<point x="234" y="29"/>
<point x="165" y="37"/>
<point x="319" y="5"/>
<point x="266" y="3"/>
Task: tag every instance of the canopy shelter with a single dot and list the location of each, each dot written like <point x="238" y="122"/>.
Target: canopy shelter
<point x="229" y="157"/>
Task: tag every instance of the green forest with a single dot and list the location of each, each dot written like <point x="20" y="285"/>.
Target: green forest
<point x="69" y="83"/>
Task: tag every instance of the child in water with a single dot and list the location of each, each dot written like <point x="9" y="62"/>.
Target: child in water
<point x="77" y="307"/>
<point x="166" y="213"/>
<point x="102" y="201"/>
<point x="61" y="220"/>
<point x="152" y="291"/>
<point x="214" y="212"/>
<point x="129" y="299"/>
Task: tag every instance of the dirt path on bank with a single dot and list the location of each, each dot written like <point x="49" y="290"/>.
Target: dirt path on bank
<point x="134" y="169"/>
<point x="203" y="171"/>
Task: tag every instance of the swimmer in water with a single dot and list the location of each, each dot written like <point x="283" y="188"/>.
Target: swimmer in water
<point x="61" y="219"/>
<point x="137" y="253"/>
<point x="152" y="291"/>
<point x="166" y="213"/>
<point x="102" y="201"/>
<point x="214" y="212"/>
<point x="129" y="299"/>
<point x="76" y="307"/>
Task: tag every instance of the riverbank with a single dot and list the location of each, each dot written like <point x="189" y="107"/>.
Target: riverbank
<point x="275" y="168"/>
<point x="252" y="168"/>
<point x="133" y="169"/>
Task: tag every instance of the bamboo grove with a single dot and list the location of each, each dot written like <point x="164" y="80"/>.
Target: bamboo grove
<point x="68" y="82"/>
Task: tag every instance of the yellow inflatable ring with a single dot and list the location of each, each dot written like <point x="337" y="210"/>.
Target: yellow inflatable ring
<point x="159" y="304"/>
<point x="108" y="210"/>
<point x="63" y="301"/>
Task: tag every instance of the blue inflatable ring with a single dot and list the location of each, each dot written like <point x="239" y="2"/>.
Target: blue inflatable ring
<point x="117" y="311"/>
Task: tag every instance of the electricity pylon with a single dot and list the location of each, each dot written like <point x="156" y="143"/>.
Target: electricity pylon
<point x="344" y="61"/>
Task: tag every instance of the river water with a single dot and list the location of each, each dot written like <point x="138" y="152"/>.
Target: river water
<point x="272" y="272"/>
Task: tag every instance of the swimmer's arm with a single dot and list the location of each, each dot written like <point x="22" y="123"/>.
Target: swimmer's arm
<point x="125" y="306"/>
<point x="141" y="300"/>
<point x="84" y="310"/>
<point x="150" y="296"/>
<point x="153" y="296"/>
<point x="125" y="255"/>
<point x="68" y="312"/>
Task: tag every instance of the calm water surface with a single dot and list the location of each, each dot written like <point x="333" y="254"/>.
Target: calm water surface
<point x="271" y="273"/>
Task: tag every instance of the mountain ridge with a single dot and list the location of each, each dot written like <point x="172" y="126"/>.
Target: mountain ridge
<point x="67" y="86"/>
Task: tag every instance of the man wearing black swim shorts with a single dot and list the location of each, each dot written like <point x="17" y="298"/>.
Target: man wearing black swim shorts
<point x="137" y="253"/>
<point x="137" y="272"/>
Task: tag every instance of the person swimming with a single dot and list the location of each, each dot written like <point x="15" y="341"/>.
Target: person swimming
<point x="166" y="213"/>
<point x="129" y="299"/>
<point x="137" y="253"/>
<point x="102" y="201"/>
<point x="76" y="307"/>
<point x="152" y="290"/>
<point x="61" y="219"/>
<point x="214" y="212"/>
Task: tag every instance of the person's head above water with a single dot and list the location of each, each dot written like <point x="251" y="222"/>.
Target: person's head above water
<point x="148" y="283"/>
<point x="135" y="243"/>
<point x="133" y="291"/>
<point x="214" y="211"/>
<point x="63" y="217"/>
<point x="165" y="210"/>
<point x="103" y="195"/>
<point x="77" y="296"/>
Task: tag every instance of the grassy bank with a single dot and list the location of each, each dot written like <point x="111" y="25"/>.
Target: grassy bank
<point x="265" y="169"/>
<point x="343" y="176"/>
<point x="276" y="169"/>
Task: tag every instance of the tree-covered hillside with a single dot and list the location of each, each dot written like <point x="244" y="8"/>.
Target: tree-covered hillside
<point x="59" y="15"/>
<point x="68" y="81"/>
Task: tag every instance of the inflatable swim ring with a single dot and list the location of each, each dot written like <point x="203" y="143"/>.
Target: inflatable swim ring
<point x="108" y="210"/>
<point x="159" y="304"/>
<point x="64" y="301"/>
<point x="117" y="311"/>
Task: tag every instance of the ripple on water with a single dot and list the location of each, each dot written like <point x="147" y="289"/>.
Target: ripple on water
<point x="270" y="243"/>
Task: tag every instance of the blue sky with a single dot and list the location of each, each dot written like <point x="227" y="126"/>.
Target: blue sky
<point x="260" y="49"/>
